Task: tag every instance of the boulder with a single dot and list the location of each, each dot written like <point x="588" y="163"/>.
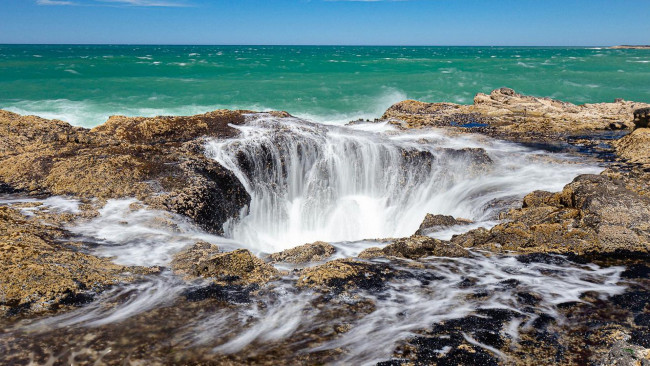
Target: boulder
<point x="158" y="160"/>
<point x="635" y="147"/>
<point x="239" y="267"/>
<point x="414" y="247"/>
<point x="346" y="274"/>
<point x="313" y="252"/>
<point x="642" y="117"/>
<point x="184" y="262"/>
<point x="433" y="223"/>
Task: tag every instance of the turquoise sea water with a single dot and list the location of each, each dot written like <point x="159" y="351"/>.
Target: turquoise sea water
<point x="85" y="84"/>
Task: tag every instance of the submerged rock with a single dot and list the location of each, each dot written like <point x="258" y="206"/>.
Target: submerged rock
<point x="414" y="247"/>
<point x="313" y="252"/>
<point x="40" y="270"/>
<point x="433" y="223"/>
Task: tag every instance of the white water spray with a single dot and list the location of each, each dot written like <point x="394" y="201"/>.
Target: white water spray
<point x="312" y="182"/>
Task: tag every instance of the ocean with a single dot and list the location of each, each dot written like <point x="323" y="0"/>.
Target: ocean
<point x="84" y="84"/>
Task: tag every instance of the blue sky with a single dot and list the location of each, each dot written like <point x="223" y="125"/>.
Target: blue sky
<point x="367" y="22"/>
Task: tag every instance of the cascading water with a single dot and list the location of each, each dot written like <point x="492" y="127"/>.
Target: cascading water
<point x="312" y="182"/>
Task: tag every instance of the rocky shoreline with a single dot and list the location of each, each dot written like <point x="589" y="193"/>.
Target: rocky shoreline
<point x="161" y="161"/>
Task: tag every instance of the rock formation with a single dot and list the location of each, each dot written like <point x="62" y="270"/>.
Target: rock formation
<point x="312" y="252"/>
<point x="158" y="160"/>
<point x="505" y="113"/>
<point x="42" y="270"/>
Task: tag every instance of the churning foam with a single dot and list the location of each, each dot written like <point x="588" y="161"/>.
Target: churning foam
<point x="313" y="182"/>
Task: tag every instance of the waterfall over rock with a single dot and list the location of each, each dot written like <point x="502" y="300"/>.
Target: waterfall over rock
<point x="313" y="182"/>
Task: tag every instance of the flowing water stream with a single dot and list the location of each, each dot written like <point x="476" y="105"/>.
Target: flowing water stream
<point x="347" y="185"/>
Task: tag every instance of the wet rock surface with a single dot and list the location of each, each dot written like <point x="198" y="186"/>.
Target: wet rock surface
<point x="239" y="267"/>
<point x="596" y="220"/>
<point x="414" y="247"/>
<point x="433" y="223"/>
<point x="313" y="252"/>
<point x="593" y="213"/>
<point x="345" y="274"/>
<point x="158" y="160"/>
<point x="42" y="270"/>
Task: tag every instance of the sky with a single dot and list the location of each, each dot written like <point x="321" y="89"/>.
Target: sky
<point x="327" y="22"/>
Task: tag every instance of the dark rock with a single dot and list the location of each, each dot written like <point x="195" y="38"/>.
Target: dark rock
<point x="642" y="117"/>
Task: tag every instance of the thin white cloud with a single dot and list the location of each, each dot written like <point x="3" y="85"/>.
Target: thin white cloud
<point x="150" y="3"/>
<point x="366" y="1"/>
<point x="54" y="2"/>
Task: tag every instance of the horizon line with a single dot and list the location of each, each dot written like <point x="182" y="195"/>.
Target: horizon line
<point x="301" y="45"/>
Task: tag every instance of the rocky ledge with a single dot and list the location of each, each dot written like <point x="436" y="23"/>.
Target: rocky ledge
<point x="507" y="114"/>
<point x="42" y="269"/>
<point x="158" y="160"/>
<point x="161" y="162"/>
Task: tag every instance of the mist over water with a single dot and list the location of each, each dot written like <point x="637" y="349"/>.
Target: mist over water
<point x="312" y="182"/>
<point x="85" y="84"/>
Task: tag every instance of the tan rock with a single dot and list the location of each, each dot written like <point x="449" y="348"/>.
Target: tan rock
<point x="158" y="160"/>
<point x="635" y="147"/>
<point x="416" y="246"/>
<point x="345" y="274"/>
<point x="239" y="267"/>
<point x="312" y="252"/>
<point x="432" y="223"/>
<point x="41" y="271"/>
<point x="594" y="213"/>
<point x="184" y="262"/>
<point x="505" y="112"/>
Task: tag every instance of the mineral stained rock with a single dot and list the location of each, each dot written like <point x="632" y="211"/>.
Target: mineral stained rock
<point x="416" y="246"/>
<point x="594" y="213"/>
<point x="346" y="274"/>
<point x="505" y="112"/>
<point x="239" y="267"/>
<point x="433" y="223"/>
<point x="40" y="270"/>
<point x="158" y="160"/>
<point x="305" y="253"/>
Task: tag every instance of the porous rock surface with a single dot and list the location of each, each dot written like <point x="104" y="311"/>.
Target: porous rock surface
<point x="433" y="223"/>
<point x="42" y="270"/>
<point x="505" y="112"/>
<point x="239" y="267"/>
<point x="312" y="252"/>
<point x="158" y="160"/>
<point x="594" y="213"/>
<point x="414" y="247"/>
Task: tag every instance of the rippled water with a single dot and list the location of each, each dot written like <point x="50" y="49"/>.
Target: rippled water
<point x="85" y="84"/>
